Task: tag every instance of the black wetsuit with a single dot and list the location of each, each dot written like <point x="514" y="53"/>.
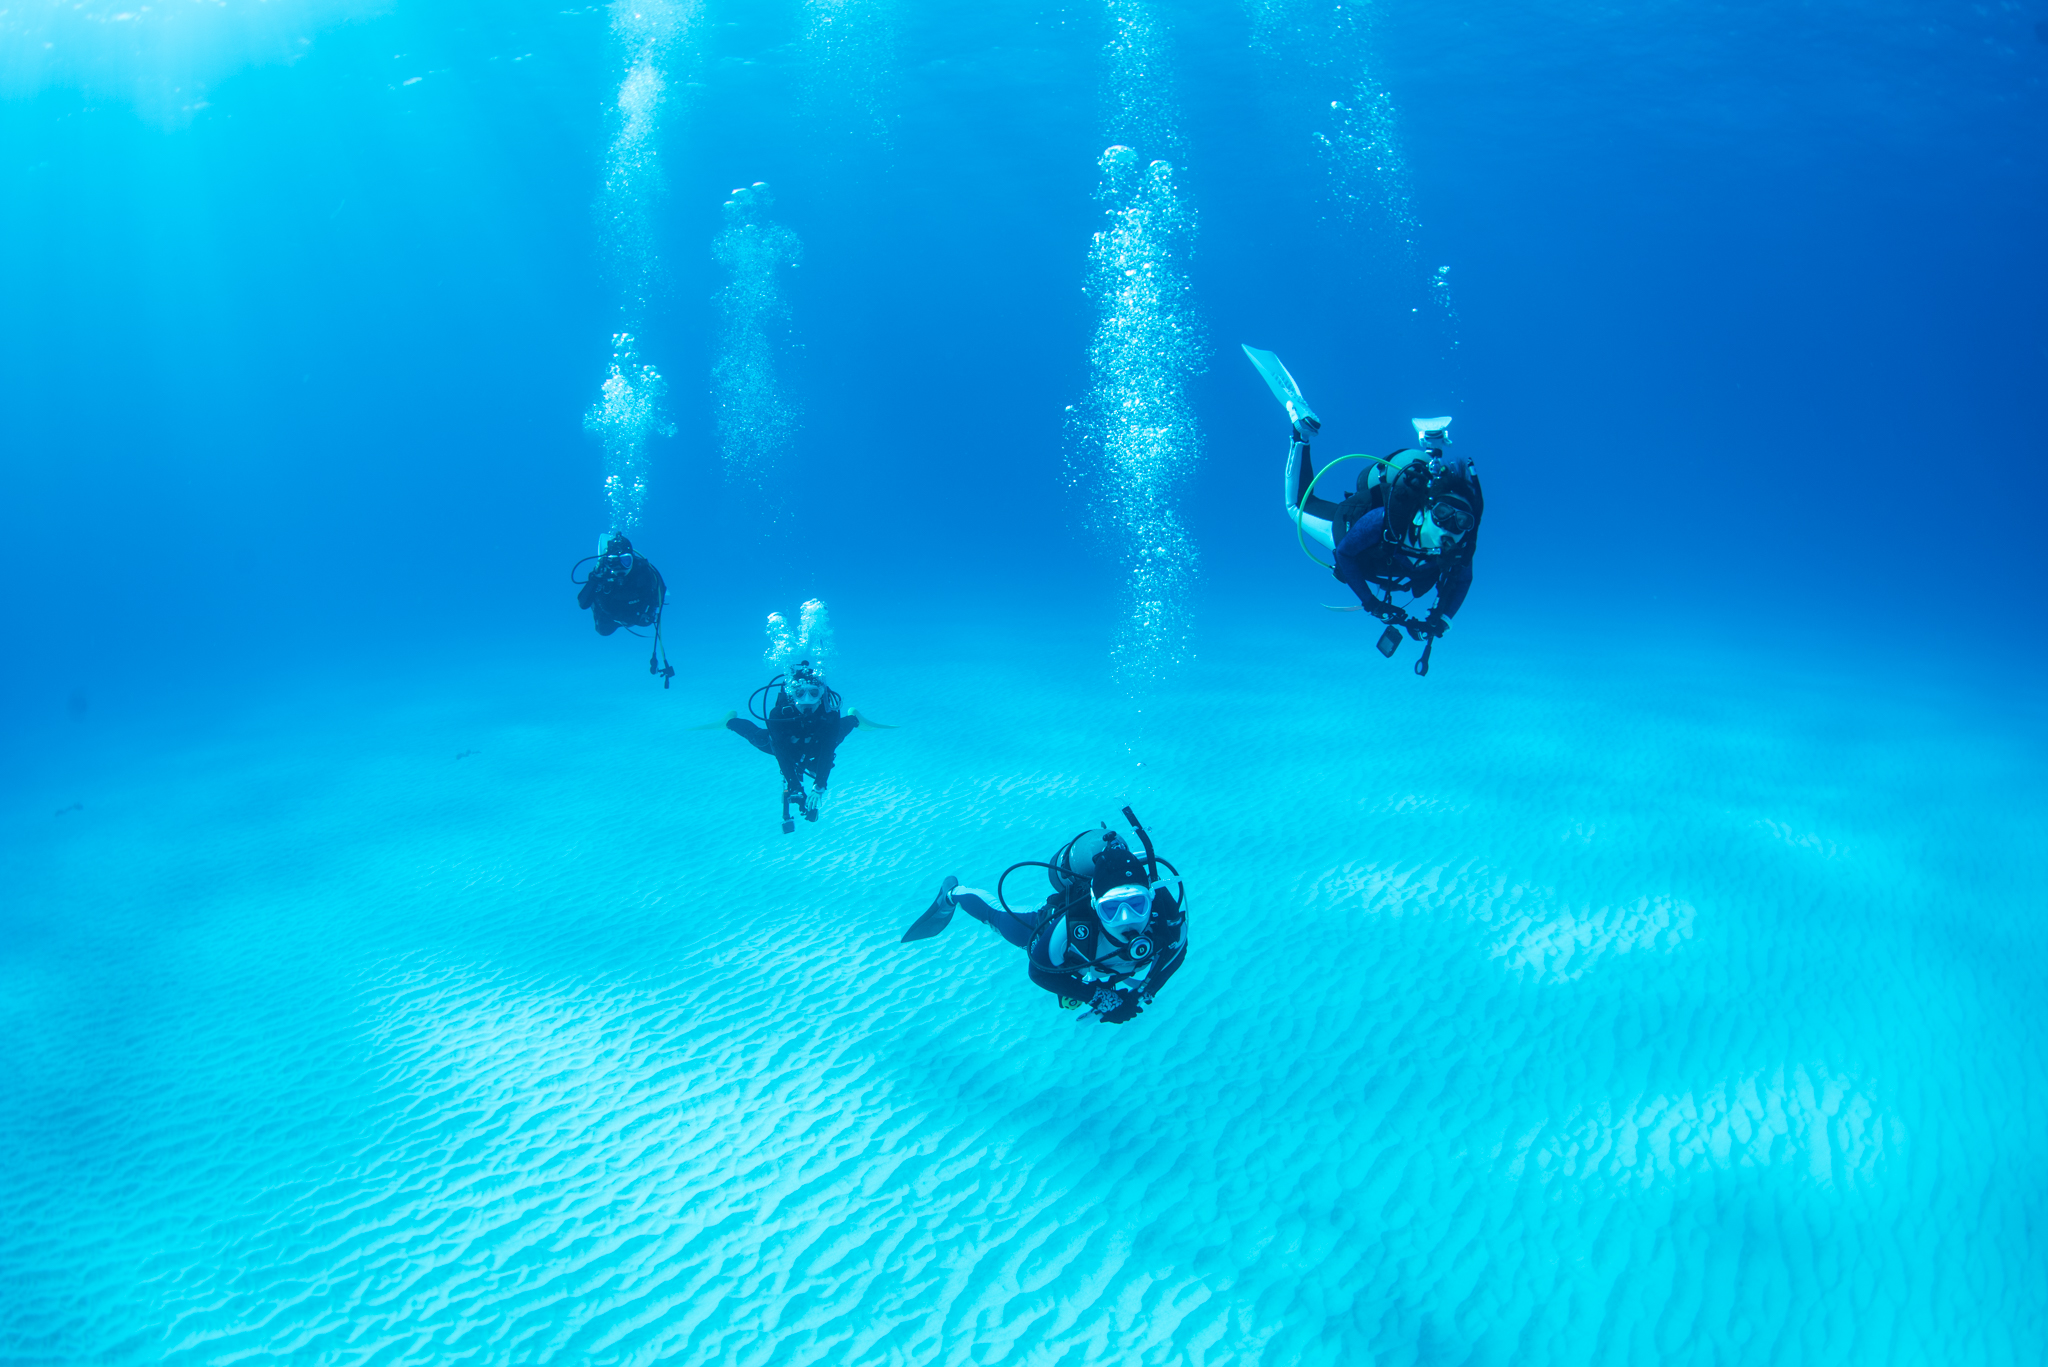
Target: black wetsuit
<point x="622" y="591"/>
<point x="802" y="743"/>
<point x="1367" y="560"/>
<point x="1072" y="958"/>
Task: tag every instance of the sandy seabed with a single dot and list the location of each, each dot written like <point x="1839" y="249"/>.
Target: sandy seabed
<point x="1536" y="1013"/>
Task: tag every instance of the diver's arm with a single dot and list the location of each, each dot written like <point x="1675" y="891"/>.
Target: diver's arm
<point x="1355" y="555"/>
<point x="1452" y="588"/>
<point x="1064" y="985"/>
<point x="1172" y="953"/>
<point x="824" y="750"/>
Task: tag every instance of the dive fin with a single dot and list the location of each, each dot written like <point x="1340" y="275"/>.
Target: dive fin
<point x="936" y="917"/>
<point x="718" y="725"/>
<point x="867" y="725"/>
<point x="1338" y="607"/>
<point x="1284" y="389"/>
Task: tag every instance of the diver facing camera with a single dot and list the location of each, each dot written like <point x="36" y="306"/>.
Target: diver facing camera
<point x="623" y="589"/>
<point x="801" y="726"/>
<point x="1411" y="526"/>
<point x="799" y="714"/>
<point x="1109" y="937"/>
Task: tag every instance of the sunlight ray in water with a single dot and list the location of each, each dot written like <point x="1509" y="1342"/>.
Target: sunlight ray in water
<point x="165" y="56"/>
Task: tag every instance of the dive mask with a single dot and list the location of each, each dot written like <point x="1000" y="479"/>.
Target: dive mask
<point x="1454" y="518"/>
<point x="1124" y="910"/>
<point x="806" y="694"/>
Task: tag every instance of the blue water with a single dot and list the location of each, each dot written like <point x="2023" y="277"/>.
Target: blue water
<point x="391" y="972"/>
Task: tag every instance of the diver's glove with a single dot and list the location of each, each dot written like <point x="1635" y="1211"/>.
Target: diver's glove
<point x="1114" y="1008"/>
<point x="1437" y="624"/>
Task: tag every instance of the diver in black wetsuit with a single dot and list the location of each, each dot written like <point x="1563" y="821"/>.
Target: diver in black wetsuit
<point x="1411" y="526"/>
<point x="1110" y="935"/>
<point x="803" y="729"/>
<point x="624" y="590"/>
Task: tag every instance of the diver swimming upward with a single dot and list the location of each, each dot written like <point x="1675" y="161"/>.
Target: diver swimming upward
<point x="1411" y="525"/>
<point x="1110" y="935"/>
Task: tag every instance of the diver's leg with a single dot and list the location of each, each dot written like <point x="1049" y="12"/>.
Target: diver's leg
<point x="984" y="907"/>
<point x="750" y="733"/>
<point x="1313" y="515"/>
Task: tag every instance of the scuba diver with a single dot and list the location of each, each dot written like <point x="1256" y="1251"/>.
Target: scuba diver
<point x="1411" y="525"/>
<point x="802" y="728"/>
<point x="1110" y="935"/>
<point x="623" y="589"/>
<point x="801" y="723"/>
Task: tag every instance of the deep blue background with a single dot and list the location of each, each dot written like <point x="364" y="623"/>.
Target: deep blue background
<point x="1754" y="321"/>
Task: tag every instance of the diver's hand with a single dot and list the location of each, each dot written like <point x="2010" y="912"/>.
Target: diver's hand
<point x="1114" y="1008"/>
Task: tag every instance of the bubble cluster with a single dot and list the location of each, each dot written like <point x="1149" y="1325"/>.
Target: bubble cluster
<point x="755" y="412"/>
<point x="1140" y="90"/>
<point x="626" y="414"/>
<point x="628" y="410"/>
<point x="850" y="64"/>
<point x="1356" y="134"/>
<point x="1138" y="433"/>
<point x="810" y="640"/>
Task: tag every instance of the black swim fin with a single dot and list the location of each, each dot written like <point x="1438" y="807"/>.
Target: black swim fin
<point x="938" y="916"/>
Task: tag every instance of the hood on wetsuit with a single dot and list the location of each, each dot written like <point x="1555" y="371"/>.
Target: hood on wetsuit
<point x="615" y="558"/>
<point x="1434" y="505"/>
<point x="1076" y="861"/>
<point x="1099" y="862"/>
<point x="1452" y="506"/>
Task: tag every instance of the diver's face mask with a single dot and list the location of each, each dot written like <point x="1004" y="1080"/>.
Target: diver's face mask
<point x="1443" y="524"/>
<point x="1124" y="911"/>
<point x="807" y="694"/>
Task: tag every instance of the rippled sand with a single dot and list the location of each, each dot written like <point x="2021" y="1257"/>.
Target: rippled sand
<point x="1674" y="1013"/>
